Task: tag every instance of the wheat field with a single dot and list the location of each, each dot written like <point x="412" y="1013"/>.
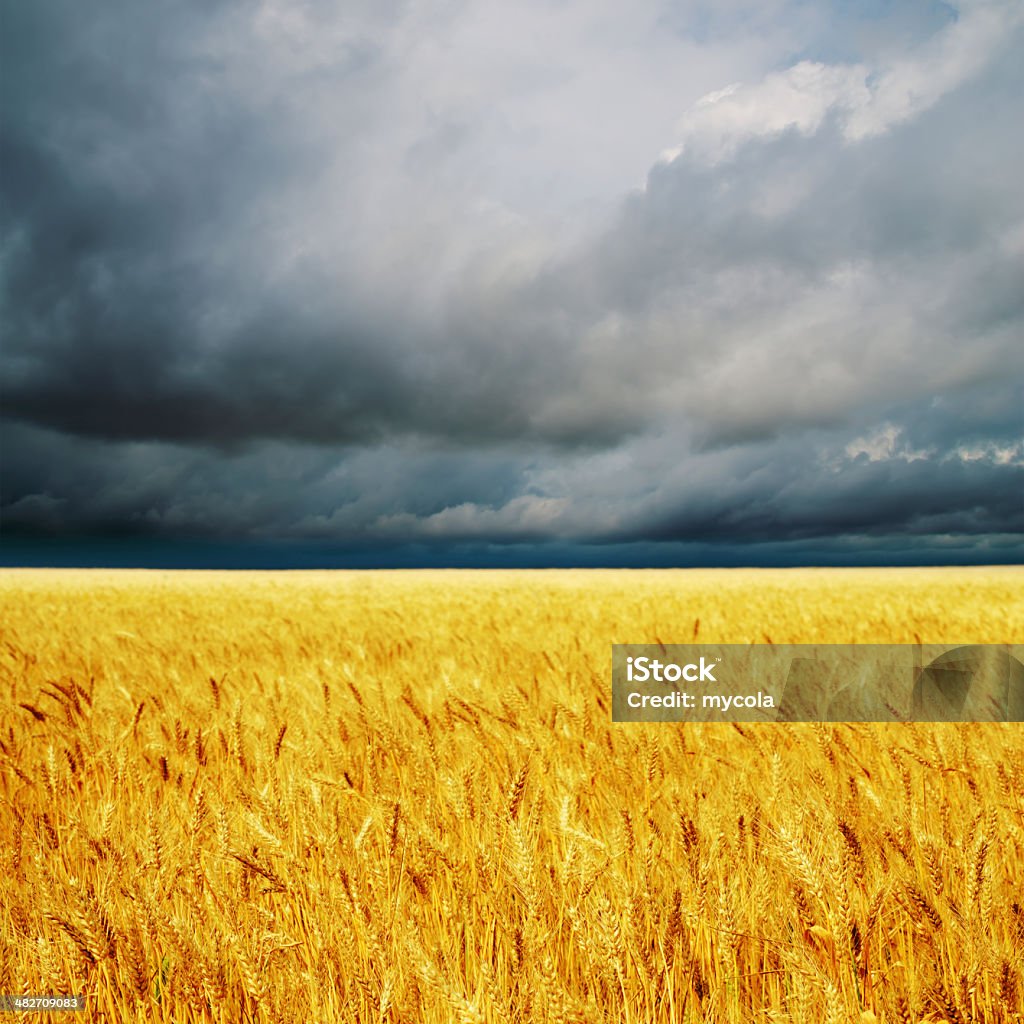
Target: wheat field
<point x="399" y="797"/>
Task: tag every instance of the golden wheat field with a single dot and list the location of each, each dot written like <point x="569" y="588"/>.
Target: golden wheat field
<point x="399" y="797"/>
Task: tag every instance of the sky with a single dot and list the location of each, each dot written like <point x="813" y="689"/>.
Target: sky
<point x="577" y="282"/>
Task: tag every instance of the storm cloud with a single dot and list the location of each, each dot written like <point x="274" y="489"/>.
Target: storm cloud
<point x="566" y="277"/>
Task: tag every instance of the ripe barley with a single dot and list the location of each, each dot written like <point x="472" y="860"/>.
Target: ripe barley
<point x="187" y="849"/>
<point x="517" y="791"/>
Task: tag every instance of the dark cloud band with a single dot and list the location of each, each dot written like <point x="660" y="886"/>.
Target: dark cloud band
<point x="233" y="312"/>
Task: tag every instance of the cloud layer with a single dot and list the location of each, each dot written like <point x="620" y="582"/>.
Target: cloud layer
<point x="416" y="274"/>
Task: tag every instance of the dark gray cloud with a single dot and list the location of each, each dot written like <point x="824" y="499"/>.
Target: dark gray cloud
<point x="278" y="273"/>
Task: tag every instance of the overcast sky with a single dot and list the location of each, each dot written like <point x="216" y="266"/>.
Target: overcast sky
<point x="664" y="281"/>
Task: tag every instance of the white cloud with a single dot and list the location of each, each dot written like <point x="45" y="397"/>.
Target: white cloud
<point x="867" y="99"/>
<point x="996" y="454"/>
<point x="526" y="516"/>
<point x="799" y="98"/>
<point x="885" y="444"/>
<point x="905" y="88"/>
